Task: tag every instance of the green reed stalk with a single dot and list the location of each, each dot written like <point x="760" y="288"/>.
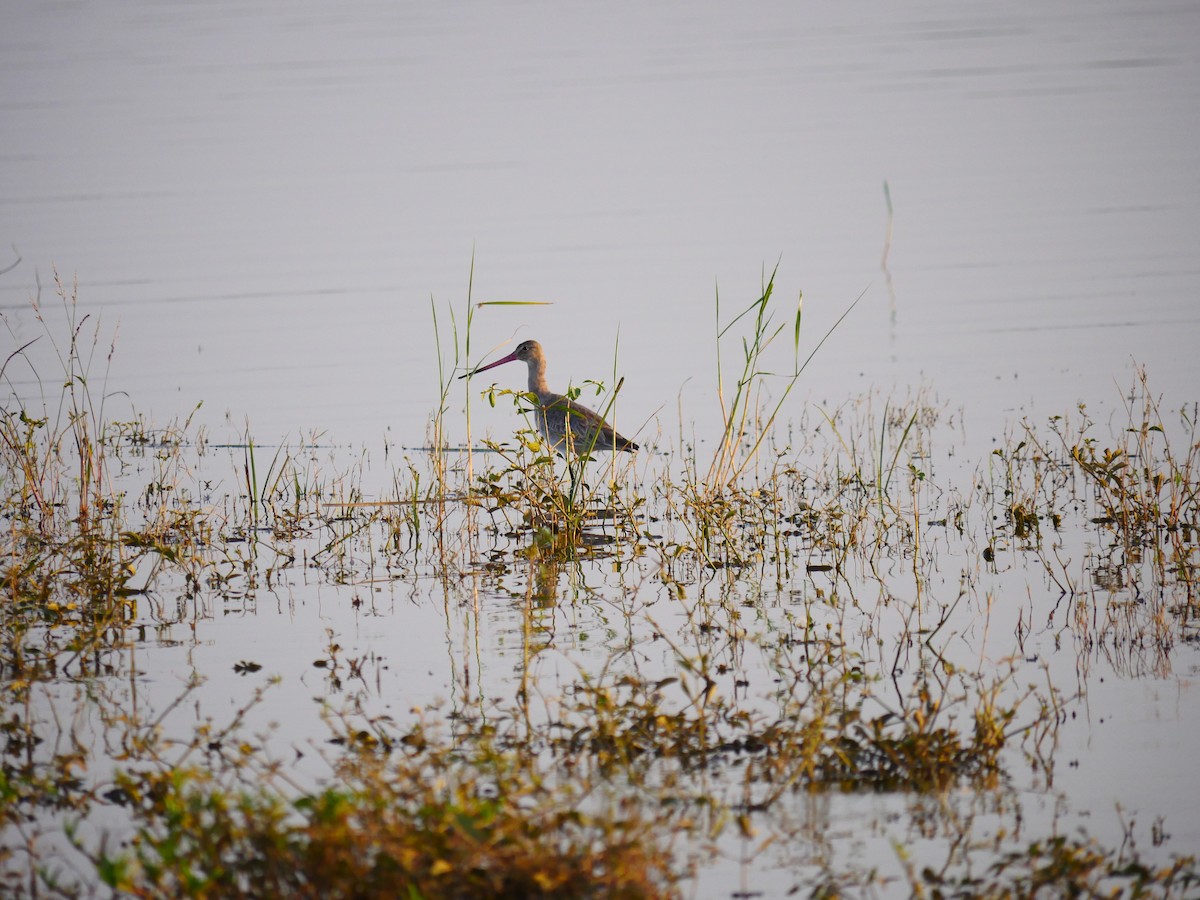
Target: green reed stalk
<point x="467" y="357"/>
<point x="251" y="471"/>
<point x="740" y="414"/>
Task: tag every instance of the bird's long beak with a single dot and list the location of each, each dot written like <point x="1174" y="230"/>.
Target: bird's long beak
<point x="512" y="356"/>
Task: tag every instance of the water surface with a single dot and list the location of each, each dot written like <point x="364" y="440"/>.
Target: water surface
<point x="263" y="203"/>
<point x="267" y="201"/>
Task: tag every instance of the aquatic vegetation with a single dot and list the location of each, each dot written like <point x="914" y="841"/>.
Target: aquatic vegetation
<point x="642" y="672"/>
<point x="433" y="819"/>
<point x="1067" y="867"/>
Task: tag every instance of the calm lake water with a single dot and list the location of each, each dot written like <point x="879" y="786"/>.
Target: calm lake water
<point x="264" y="200"/>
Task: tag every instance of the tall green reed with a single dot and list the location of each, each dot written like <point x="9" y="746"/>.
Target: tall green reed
<point x="746" y="425"/>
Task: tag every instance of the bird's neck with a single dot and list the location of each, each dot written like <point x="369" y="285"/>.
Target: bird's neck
<point x="537" y="377"/>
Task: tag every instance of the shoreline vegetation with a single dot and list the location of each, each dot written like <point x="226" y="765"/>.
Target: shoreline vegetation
<point x="703" y="657"/>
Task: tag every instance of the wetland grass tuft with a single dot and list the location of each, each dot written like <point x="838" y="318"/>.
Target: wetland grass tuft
<point x="436" y="818"/>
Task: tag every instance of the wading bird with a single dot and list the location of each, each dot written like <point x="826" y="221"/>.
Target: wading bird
<point x="568" y="427"/>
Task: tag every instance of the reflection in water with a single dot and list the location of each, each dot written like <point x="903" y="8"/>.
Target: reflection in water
<point x="546" y="569"/>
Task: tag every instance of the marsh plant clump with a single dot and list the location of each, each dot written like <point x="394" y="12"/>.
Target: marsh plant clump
<point x="622" y="681"/>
